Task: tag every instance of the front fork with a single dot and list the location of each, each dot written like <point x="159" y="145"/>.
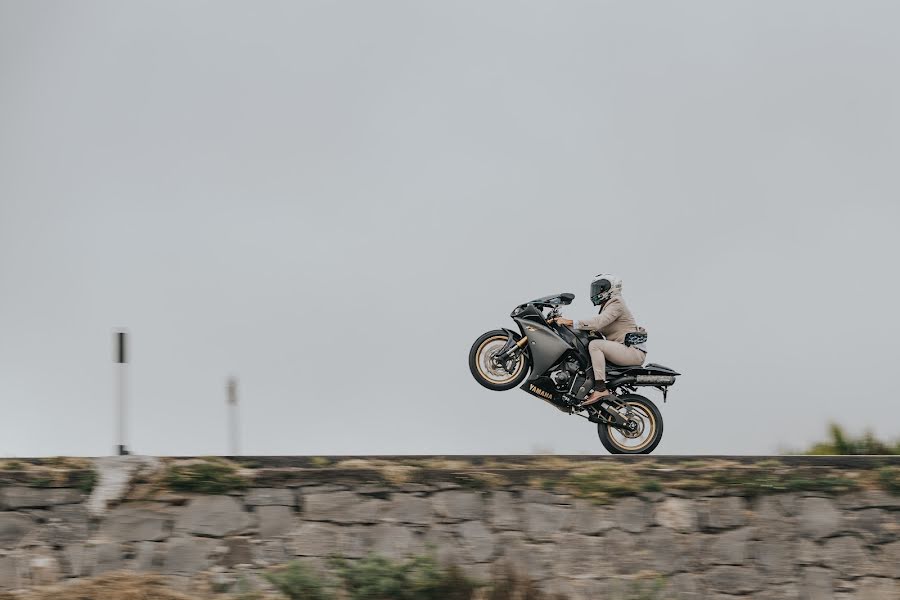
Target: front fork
<point x="512" y="347"/>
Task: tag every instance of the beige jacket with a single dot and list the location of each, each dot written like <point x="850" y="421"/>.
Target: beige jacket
<point x="614" y="321"/>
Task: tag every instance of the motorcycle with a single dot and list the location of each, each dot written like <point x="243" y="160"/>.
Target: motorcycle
<point x="552" y="362"/>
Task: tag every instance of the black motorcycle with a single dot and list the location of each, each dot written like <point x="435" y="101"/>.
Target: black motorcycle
<point x="559" y="364"/>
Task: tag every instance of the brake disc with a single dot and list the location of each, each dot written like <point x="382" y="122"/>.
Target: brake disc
<point x="499" y="369"/>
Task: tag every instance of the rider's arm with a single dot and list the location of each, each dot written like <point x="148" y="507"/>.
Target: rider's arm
<point x="610" y="312"/>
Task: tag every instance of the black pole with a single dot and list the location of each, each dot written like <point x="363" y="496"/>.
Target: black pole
<point x="120" y="337"/>
<point x="121" y="359"/>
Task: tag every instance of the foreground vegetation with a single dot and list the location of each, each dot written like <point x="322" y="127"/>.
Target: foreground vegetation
<point x="372" y="578"/>
<point x="376" y="578"/>
<point x="600" y="479"/>
<point x="842" y="444"/>
<point x="58" y="471"/>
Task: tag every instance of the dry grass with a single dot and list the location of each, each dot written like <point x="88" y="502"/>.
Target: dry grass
<point x="205" y="476"/>
<point x="57" y="471"/>
<point x="131" y="586"/>
<point x="42" y="465"/>
<point x="601" y="481"/>
<point x="116" y="586"/>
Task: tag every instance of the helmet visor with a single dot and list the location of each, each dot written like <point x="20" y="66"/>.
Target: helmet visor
<point x="599" y="288"/>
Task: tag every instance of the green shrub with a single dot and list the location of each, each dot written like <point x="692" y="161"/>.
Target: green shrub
<point x="841" y="444"/>
<point x="646" y="590"/>
<point x="651" y="485"/>
<point x="889" y="478"/>
<point x="515" y="586"/>
<point x="376" y="577"/>
<point x="298" y="582"/>
<point x="205" y="478"/>
<point x="421" y="578"/>
<point x="86" y="481"/>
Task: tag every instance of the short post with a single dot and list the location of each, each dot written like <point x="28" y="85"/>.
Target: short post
<point x="121" y="366"/>
<point x="234" y="445"/>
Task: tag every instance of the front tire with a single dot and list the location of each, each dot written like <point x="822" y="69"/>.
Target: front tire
<point x="487" y="371"/>
<point x="642" y="441"/>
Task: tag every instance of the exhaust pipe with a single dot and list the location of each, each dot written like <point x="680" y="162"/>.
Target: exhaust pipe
<point x="654" y="380"/>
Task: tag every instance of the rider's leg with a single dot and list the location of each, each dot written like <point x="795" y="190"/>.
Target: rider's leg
<point x="617" y="353"/>
<point x="598" y="361"/>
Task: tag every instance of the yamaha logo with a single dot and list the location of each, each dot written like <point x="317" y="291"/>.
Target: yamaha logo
<point x="540" y="392"/>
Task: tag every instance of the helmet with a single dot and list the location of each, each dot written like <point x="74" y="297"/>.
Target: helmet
<point x="603" y="286"/>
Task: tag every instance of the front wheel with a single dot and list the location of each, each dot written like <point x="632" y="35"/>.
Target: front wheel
<point x="647" y="428"/>
<point x="491" y="372"/>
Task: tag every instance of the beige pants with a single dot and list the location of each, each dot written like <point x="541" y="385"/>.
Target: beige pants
<point x="617" y="353"/>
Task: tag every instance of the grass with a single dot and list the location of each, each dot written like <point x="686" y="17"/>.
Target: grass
<point x="889" y="478"/>
<point x="86" y="481"/>
<point x="299" y="582"/>
<point x="119" y="586"/>
<point x="755" y="482"/>
<point x="371" y="578"/>
<point x="839" y="443"/>
<point x="651" y="485"/>
<point x="646" y="590"/>
<point x="420" y="578"/>
<point x="210" y="476"/>
<point x="511" y="585"/>
<point x="55" y="472"/>
<point x="600" y="481"/>
<point x="603" y="483"/>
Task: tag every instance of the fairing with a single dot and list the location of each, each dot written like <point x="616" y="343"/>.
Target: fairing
<point x="544" y="345"/>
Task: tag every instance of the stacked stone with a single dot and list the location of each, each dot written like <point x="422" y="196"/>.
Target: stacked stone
<point x="682" y="545"/>
<point x="35" y="525"/>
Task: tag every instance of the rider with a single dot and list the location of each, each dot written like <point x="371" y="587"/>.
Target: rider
<point x="614" y="322"/>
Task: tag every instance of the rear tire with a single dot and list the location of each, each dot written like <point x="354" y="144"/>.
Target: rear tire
<point x="650" y="434"/>
<point x="489" y="374"/>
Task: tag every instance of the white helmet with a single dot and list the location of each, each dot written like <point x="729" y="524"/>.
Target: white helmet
<point x="604" y="286"/>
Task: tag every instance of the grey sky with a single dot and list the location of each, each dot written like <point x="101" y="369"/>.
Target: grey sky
<point x="273" y="189"/>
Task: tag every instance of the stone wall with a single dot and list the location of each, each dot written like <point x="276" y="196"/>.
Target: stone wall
<point x="682" y="541"/>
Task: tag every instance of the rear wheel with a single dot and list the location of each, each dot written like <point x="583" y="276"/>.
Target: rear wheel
<point x="644" y="434"/>
<point x="491" y="372"/>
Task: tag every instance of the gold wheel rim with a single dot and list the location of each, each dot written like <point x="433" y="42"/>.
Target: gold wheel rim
<point x="482" y="359"/>
<point x="648" y="424"/>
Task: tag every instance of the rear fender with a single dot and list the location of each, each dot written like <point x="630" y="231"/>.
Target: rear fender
<point x="655" y="369"/>
<point x="649" y="369"/>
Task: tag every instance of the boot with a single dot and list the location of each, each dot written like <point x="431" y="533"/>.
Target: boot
<point x="598" y="393"/>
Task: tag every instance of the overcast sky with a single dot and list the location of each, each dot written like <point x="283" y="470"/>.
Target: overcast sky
<point x="331" y="200"/>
